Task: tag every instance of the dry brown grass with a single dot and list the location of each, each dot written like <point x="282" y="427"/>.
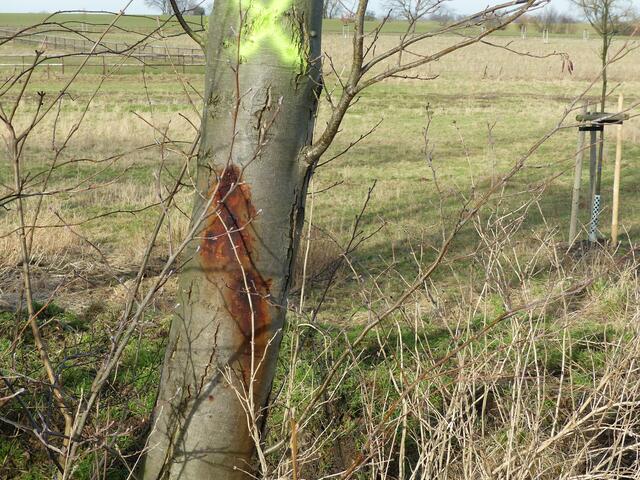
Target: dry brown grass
<point x="548" y="393"/>
<point x="484" y="62"/>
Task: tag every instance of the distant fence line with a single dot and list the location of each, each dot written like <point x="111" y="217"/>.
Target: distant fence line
<point x="83" y="45"/>
<point x="105" y="62"/>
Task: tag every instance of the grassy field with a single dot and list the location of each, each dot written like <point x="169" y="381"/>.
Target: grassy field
<point x="482" y="111"/>
<point x="142" y="23"/>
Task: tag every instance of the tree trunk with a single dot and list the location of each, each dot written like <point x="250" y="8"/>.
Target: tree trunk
<point x="224" y="340"/>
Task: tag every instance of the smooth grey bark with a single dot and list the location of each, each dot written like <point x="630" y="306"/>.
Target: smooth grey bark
<point x="258" y="116"/>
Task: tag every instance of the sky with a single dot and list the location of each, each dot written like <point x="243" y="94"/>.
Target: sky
<point x="138" y="6"/>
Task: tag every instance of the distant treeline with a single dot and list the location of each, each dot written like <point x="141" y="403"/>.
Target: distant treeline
<point x="549" y="19"/>
<point x="563" y="22"/>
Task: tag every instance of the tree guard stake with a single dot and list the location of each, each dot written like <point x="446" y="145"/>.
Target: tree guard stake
<point x="616" y="180"/>
<point x="575" y="200"/>
<point x="595" y="122"/>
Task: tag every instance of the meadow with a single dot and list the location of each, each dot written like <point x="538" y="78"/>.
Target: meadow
<point x="141" y="23"/>
<point x="550" y="391"/>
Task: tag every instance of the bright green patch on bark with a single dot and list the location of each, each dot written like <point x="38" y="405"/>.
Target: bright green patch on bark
<point x="263" y="26"/>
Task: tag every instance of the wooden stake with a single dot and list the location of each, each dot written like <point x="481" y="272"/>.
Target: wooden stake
<point x="616" y="181"/>
<point x="577" y="180"/>
<point x="593" y="160"/>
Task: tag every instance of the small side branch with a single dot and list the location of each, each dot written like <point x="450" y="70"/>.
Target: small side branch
<point x="185" y="26"/>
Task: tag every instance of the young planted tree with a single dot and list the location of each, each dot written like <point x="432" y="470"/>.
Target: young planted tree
<point x="607" y="17"/>
<point x="256" y="158"/>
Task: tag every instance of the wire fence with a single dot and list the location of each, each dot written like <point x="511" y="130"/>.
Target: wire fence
<point x="103" y="58"/>
<point x="102" y="63"/>
<point x="86" y="44"/>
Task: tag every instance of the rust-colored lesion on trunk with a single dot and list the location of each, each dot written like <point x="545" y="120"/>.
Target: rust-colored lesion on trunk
<point x="228" y="255"/>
